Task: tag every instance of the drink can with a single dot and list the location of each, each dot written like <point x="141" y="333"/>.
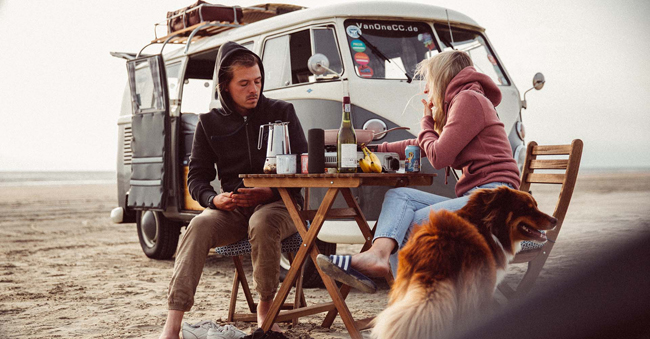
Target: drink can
<point x="412" y="163"/>
<point x="304" y="163"/>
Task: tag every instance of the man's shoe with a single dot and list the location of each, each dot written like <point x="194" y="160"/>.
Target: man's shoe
<point x="225" y="332"/>
<point x="198" y="330"/>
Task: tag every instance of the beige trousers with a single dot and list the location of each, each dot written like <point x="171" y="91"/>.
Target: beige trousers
<point x="264" y="225"/>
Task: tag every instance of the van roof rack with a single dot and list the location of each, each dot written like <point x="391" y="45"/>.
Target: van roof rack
<point x="209" y="28"/>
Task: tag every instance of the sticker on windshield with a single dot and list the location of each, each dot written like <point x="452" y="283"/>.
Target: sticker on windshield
<point x="353" y="31"/>
<point x="493" y="61"/>
<point x="361" y="58"/>
<point x="358" y="45"/>
<point x="427" y="40"/>
<point x="365" y="71"/>
<point x="383" y="26"/>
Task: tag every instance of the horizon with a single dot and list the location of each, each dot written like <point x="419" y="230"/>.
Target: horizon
<point x="583" y="168"/>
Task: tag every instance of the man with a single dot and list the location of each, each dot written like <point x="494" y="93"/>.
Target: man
<point x="227" y="137"/>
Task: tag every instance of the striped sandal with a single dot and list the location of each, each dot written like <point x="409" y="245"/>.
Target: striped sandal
<point x="338" y="267"/>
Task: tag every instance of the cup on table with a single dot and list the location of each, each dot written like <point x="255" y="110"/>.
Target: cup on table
<point x="286" y="163"/>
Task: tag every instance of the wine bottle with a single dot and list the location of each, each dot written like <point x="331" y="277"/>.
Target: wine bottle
<point x="346" y="153"/>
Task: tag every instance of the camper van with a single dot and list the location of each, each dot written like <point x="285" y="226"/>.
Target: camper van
<point x="370" y="51"/>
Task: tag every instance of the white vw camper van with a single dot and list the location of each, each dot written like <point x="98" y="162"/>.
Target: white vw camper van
<point x="372" y="49"/>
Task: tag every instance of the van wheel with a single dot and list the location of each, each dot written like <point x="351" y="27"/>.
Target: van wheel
<point x="311" y="277"/>
<point x="158" y="235"/>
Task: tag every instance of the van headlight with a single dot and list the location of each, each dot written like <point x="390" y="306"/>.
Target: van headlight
<point x="521" y="131"/>
<point x="520" y="157"/>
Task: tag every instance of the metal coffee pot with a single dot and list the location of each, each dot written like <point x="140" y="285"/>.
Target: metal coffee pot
<point x="277" y="143"/>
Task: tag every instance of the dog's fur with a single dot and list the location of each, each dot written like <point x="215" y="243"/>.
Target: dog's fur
<point x="449" y="268"/>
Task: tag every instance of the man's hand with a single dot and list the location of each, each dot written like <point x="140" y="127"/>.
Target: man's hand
<point x="224" y="201"/>
<point x="249" y="197"/>
<point x="428" y="105"/>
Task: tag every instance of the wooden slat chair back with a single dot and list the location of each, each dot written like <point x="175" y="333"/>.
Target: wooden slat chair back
<point x="535" y="160"/>
<point x="290" y="246"/>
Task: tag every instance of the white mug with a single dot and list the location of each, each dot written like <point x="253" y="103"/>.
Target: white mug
<point x="286" y="163"/>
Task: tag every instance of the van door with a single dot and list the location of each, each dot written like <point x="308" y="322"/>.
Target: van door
<point x="151" y="162"/>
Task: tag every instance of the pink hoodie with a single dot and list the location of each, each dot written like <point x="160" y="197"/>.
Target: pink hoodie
<point x="474" y="139"/>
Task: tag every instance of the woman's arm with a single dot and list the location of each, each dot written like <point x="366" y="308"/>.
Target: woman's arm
<point x="465" y="119"/>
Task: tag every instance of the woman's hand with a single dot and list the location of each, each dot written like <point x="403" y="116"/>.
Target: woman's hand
<point x="428" y="105"/>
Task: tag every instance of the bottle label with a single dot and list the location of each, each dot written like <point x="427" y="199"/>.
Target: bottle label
<point x="348" y="155"/>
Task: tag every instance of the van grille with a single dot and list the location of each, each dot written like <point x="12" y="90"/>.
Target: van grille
<point x="128" y="153"/>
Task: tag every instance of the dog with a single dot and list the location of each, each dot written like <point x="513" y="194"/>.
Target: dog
<point x="450" y="267"/>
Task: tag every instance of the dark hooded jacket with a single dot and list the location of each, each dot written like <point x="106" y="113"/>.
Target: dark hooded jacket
<point x="226" y="138"/>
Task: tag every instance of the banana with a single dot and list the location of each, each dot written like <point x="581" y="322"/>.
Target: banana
<point x="365" y="165"/>
<point x="370" y="159"/>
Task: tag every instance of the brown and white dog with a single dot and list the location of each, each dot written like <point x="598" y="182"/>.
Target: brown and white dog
<point x="450" y="267"/>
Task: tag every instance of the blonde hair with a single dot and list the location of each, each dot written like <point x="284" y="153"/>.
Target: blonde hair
<point x="438" y="73"/>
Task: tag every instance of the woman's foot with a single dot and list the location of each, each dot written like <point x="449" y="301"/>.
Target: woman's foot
<point x="375" y="261"/>
<point x="370" y="264"/>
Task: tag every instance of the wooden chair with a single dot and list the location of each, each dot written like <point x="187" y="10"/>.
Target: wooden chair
<point x="290" y="245"/>
<point x="536" y="256"/>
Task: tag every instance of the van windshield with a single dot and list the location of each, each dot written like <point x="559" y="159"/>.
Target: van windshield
<point x="388" y="49"/>
<point x="476" y="46"/>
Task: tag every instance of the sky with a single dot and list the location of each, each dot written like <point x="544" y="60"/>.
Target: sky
<point x="61" y="91"/>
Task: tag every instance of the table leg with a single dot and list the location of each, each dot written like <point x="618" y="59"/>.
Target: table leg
<point x="367" y="234"/>
<point x="309" y="238"/>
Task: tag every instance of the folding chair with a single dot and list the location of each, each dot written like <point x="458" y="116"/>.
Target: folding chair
<point x="290" y="245"/>
<point x="536" y="255"/>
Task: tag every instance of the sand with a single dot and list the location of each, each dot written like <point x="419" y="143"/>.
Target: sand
<point x="67" y="271"/>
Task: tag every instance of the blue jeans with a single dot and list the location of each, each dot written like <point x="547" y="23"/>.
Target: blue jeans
<point x="405" y="207"/>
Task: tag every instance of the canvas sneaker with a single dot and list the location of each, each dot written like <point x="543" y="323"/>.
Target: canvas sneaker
<point x="198" y="330"/>
<point x="225" y="332"/>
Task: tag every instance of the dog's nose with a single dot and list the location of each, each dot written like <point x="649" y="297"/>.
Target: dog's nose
<point x="553" y="221"/>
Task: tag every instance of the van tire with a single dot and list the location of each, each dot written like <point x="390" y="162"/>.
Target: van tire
<point x="311" y="278"/>
<point x="158" y="235"/>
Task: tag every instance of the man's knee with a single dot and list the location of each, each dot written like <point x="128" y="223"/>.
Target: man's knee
<point x="265" y="225"/>
<point x="272" y="222"/>
<point x="202" y="224"/>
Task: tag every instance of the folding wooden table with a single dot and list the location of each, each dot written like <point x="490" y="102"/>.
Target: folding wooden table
<point x="335" y="183"/>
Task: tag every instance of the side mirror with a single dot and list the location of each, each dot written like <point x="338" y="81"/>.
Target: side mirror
<point x="538" y="83"/>
<point x="318" y="64"/>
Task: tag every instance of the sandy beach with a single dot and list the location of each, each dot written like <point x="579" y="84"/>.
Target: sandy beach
<point x="66" y="271"/>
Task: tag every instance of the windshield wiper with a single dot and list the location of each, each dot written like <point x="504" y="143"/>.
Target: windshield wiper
<point x="382" y="56"/>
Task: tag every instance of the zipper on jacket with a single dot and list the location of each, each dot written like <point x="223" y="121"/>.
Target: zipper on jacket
<point x="248" y="142"/>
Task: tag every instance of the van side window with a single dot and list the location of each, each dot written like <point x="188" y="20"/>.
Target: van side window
<point x="478" y="49"/>
<point x="277" y="68"/>
<point x="325" y="43"/>
<point x="173" y="71"/>
<point x="197" y="82"/>
<point x="285" y="57"/>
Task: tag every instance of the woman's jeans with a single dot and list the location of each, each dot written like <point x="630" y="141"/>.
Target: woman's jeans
<point x="405" y="207"/>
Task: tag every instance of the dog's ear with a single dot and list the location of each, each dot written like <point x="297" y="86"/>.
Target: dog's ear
<point x="488" y="197"/>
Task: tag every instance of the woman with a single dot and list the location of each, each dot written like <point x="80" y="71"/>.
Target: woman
<point x="461" y="129"/>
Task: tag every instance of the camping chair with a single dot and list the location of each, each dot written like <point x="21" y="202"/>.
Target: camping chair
<point x="536" y="255"/>
<point x="290" y="245"/>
